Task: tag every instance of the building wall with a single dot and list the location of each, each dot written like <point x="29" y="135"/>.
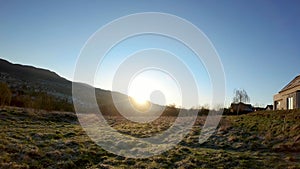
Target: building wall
<point x="278" y="102"/>
<point x="281" y="99"/>
<point x="298" y="99"/>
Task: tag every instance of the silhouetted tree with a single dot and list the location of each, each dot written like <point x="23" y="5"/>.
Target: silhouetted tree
<point x="240" y="96"/>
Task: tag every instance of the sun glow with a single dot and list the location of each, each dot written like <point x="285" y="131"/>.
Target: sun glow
<point x="139" y="100"/>
<point x="152" y="86"/>
<point x="140" y="89"/>
<point x="140" y="104"/>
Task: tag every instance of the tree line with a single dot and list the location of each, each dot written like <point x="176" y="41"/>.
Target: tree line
<point x="42" y="100"/>
<point x="34" y="100"/>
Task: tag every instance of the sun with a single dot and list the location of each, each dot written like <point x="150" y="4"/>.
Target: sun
<point x="140" y="100"/>
<point x="140" y="104"/>
<point x="152" y="87"/>
<point x="139" y="92"/>
<point x="140" y="89"/>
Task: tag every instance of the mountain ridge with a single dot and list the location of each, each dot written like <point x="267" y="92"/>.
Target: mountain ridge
<point x="35" y="72"/>
<point x="30" y="80"/>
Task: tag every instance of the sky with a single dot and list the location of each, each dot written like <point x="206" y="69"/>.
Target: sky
<point x="257" y="41"/>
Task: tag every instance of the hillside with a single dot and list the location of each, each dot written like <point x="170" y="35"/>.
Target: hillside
<point x="22" y="76"/>
<point x="31" y="86"/>
<point x="29" y="72"/>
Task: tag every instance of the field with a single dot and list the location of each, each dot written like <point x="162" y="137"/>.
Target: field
<point x="267" y="139"/>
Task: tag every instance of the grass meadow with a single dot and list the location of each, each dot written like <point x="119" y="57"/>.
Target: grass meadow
<point x="42" y="139"/>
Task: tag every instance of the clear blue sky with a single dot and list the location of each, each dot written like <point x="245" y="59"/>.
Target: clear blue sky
<point x="257" y="41"/>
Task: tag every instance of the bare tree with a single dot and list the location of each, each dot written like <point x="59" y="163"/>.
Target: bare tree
<point x="240" y="96"/>
<point x="5" y="94"/>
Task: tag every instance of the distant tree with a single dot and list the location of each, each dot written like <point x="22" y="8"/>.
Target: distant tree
<point x="171" y="110"/>
<point x="240" y="96"/>
<point x="27" y="101"/>
<point x="21" y="101"/>
<point x="43" y="101"/>
<point x="5" y="94"/>
<point x="203" y="110"/>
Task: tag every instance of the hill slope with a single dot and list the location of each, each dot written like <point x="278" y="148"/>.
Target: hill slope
<point x="21" y="77"/>
<point x="31" y="81"/>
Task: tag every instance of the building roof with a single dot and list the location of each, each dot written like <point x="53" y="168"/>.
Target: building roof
<point x="240" y="103"/>
<point x="269" y="106"/>
<point x="295" y="82"/>
<point x="241" y="106"/>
